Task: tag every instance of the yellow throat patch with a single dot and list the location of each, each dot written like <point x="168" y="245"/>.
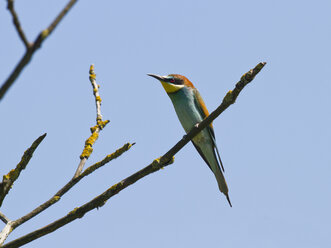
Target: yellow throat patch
<point x="171" y="88"/>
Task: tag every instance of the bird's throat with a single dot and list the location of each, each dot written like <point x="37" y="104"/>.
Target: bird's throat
<point x="171" y="88"/>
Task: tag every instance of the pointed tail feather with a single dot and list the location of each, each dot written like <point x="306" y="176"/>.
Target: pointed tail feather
<point x="228" y="198"/>
<point x="223" y="187"/>
<point x="219" y="158"/>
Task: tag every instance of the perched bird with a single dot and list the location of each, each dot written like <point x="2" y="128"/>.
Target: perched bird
<point x="191" y="110"/>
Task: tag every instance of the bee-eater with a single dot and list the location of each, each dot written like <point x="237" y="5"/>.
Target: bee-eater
<point x="191" y="109"/>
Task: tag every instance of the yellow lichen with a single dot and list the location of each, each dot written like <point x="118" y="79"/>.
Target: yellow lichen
<point x="12" y="175"/>
<point x="243" y="77"/>
<point x="107" y="159"/>
<point x="98" y="99"/>
<point x="44" y="33"/>
<point x="91" y="140"/>
<point x="73" y="211"/>
<point x="93" y="129"/>
<point x="101" y="123"/>
<point x="55" y="199"/>
<point x="114" y="187"/>
<point x="119" y="152"/>
<point x="86" y="152"/>
<point x="228" y="97"/>
<point x="88" y="145"/>
<point x="156" y="163"/>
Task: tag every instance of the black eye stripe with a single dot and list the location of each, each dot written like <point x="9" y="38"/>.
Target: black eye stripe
<point x="175" y="81"/>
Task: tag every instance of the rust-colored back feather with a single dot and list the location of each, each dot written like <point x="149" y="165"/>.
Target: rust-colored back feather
<point x="202" y="106"/>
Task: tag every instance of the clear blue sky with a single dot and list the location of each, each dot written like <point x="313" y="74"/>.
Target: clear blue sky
<point x="275" y="141"/>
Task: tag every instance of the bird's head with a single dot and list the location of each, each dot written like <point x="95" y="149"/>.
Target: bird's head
<point x="173" y="82"/>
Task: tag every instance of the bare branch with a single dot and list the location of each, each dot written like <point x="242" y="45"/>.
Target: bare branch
<point x="33" y="48"/>
<point x="94" y="130"/>
<point x="88" y="146"/>
<point x="5" y="232"/>
<point x="96" y="93"/>
<point x="4" y="218"/>
<point x="10" y="7"/>
<point x="9" y="179"/>
<point x="106" y="160"/>
<point x="70" y="184"/>
<point x="156" y="165"/>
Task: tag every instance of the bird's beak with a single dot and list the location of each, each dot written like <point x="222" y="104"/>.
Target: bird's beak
<point x="167" y="83"/>
<point x="158" y="77"/>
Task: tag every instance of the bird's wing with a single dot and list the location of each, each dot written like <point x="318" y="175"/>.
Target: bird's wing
<point x="201" y="106"/>
<point x="202" y="155"/>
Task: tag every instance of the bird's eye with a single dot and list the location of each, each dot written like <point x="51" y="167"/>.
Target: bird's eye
<point x="172" y="80"/>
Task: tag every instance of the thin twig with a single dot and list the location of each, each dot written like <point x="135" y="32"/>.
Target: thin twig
<point x="70" y="184"/>
<point x="100" y="124"/>
<point x="11" y="225"/>
<point x="96" y="93"/>
<point x="9" y="179"/>
<point x="156" y="165"/>
<point x="33" y="48"/>
<point x="94" y="130"/>
<point x="4" y="218"/>
<point x="10" y="7"/>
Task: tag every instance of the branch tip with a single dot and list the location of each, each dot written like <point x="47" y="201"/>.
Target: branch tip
<point x="31" y="48"/>
<point x="17" y="24"/>
<point x="9" y="179"/>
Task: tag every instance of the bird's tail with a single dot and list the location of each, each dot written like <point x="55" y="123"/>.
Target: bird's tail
<point x="222" y="184"/>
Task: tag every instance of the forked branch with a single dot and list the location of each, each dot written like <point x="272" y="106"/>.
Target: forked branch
<point x="9" y="179"/>
<point x="10" y="7"/>
<point x="13" y="175"/>
<point x="31" y="48"/>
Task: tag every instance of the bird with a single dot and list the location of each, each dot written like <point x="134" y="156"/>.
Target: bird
<point x="191" y="110"/>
